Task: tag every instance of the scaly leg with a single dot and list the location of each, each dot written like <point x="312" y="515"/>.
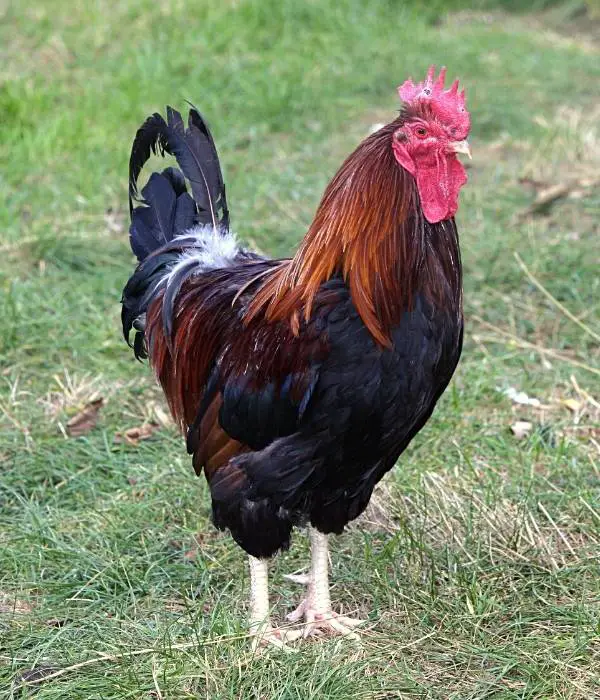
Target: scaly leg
<point x="316" y="607"/>
<point x="260" y="623"/>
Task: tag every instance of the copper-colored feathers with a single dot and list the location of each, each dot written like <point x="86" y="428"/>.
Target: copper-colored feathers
<point x="183" y="366"/>
<point x="364" y="229"/>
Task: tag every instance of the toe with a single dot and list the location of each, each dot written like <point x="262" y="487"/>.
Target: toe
<point x="312" y="630"/>
<point x="298" y="613"/>
<point x="288" y="636"/>
<point x="349" y="621"/>
<point x="340" y="628"/>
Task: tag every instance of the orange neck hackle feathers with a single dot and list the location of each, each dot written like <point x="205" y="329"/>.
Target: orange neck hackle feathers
<point x="369" y="229"/>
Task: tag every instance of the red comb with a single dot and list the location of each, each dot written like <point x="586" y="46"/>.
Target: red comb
<point x="449" y="104"/>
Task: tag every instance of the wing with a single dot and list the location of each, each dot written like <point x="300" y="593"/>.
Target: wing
<point x="257" y="392"/>
<point x="234" y="387"/>
<point x="267" y="379"/>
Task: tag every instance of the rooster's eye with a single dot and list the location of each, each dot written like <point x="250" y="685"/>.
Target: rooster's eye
<point x="421" y="132"/>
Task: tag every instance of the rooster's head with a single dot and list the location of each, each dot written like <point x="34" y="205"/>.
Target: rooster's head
<point x="434" y="129"/>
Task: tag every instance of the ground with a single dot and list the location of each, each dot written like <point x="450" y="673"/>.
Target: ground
<point x="477" y="566"/>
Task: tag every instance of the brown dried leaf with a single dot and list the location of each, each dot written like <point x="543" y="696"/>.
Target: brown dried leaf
<point x="86" y="419"/>
<point x="10" y="604"/>
<point x="133" y="436"/>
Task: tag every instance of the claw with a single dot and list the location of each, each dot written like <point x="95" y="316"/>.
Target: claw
<point x="318" y="623"/>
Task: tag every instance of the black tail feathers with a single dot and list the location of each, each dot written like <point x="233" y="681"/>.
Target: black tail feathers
<point x="165" y="208"/>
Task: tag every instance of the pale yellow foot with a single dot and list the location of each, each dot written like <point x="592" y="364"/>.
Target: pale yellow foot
<point x="316" y="611"/>
<point x="264" y="635"/>
<point x="318" y="621"/>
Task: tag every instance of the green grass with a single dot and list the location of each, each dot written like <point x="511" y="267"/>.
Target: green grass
<point x="478" y="564"/>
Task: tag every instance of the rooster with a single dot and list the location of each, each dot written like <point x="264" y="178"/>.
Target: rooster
<point x="300" y="381"/>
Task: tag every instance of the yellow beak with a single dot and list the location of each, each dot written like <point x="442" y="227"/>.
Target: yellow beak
<point x="462" y="147"/>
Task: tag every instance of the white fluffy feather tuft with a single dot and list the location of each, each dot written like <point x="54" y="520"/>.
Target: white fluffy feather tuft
<point x="211" y="251"/>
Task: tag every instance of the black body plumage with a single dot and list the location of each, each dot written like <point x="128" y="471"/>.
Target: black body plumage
<point x="325" y="432"/>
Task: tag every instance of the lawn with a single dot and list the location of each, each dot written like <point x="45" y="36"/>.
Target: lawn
<point x="478" y="564"/>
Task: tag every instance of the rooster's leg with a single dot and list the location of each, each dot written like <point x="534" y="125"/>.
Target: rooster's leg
<point x="316" y="607"/>
<point x="260" y="623"/>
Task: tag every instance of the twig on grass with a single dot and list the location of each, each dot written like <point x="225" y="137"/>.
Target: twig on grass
<point x="526" y="345"/>
<point x="561" y="307"/>
<point x="557" y="529"/>
<point x="151" y="651"/>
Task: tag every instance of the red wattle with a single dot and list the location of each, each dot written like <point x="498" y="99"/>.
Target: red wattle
<point x="438" y="179"/>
